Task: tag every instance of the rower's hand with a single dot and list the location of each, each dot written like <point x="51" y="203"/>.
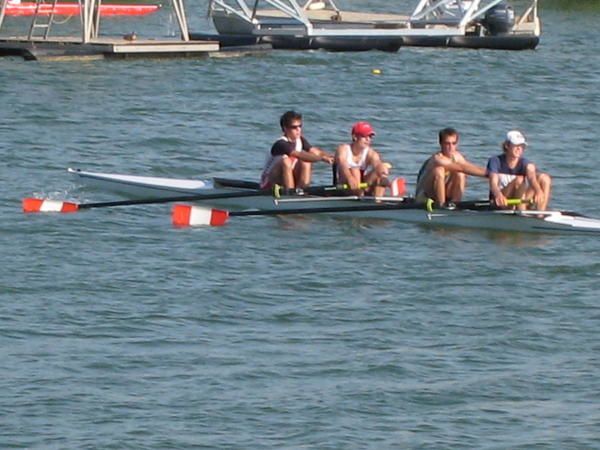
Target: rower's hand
<point x="355" y="188"/>
<point x="500" y="200"/>
<point x="383" y="170"/>
<point x="327" y="158"/>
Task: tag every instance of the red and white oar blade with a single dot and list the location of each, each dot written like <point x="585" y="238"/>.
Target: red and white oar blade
<point x="37" y="205"/>
<point x="191" y="216"/>
<point x="398" y="187"/>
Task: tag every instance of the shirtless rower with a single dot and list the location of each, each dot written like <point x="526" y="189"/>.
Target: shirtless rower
<point x="290" y="161"/>
<point x="359" y="163"/>
<point x="443" y="176"/>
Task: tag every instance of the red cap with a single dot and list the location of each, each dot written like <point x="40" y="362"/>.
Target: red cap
<point x="363" y="129"/>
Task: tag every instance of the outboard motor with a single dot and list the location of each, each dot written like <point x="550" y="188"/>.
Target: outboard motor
<point x="499" y="19"/>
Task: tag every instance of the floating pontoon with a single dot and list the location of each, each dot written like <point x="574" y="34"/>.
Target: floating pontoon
<point x="321" y="24"/>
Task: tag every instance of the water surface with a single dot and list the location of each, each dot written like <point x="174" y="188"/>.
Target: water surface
<point x="119" y="331"/>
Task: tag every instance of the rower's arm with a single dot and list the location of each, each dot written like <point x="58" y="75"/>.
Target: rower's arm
<point x="346" y="175"/>
<point x="325" y="156"/>
<point x="465" y="167"/>
<point x="381" y="168"/>
<point x="539" y="195"/>
<point x="497" y="195"/>
<point x="473" y="169"/>
<point x="309" y="156"/>
<point x="532" y="177"/>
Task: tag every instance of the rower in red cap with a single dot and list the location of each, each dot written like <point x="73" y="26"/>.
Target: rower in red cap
<point x="359" y="163"/>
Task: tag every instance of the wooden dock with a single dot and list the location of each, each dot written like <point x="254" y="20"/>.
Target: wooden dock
<point x="61" y="48"/>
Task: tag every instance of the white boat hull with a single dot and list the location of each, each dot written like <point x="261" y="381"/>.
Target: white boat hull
<point x="143" y="187"/>
<point x="501" y="220"/>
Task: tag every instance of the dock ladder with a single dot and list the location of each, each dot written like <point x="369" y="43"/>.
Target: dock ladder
<point x="42" y="22"/>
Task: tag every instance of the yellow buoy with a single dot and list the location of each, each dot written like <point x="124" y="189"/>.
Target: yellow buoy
<point x="376" y="71"/>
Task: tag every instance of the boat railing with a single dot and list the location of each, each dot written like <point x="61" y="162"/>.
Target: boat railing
<point x="462" y="14"/>
<point x="318" y="17"/>
<point x="457" y="13"/>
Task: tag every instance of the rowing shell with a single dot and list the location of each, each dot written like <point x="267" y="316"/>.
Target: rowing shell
<point x="142" y="187"/>
<point x="398" y="209"/>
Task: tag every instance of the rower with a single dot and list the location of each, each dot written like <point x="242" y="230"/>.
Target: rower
<point x="443" y="176"/>
<point x="359" y="163"/>
<point x="512" y="176"/>
<point x="289" y="163"/>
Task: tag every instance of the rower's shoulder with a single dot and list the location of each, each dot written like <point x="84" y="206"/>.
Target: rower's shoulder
<point x="343" y="148"/>
<point x="438" y="157"/>
<point x="459" y="157"/>
<point x="372" y="153"/>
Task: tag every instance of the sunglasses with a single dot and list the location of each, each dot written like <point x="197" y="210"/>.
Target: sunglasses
<point x="295" y="127"/>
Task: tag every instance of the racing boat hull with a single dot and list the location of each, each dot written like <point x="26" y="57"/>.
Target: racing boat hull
<point x="405" y="210"/>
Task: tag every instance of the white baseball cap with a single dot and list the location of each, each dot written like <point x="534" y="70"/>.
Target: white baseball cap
<point x="515" y="137"/>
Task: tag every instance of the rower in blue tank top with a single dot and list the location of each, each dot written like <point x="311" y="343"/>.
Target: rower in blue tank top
<point x="513" y="176"/>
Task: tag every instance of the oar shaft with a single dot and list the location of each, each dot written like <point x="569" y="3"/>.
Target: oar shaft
<point x="486" y="203"/>
<point x="31" y="205"/>
<point x="353" y="198"/>
<point x="327" y="209"/>
<point x="222" y="195"/>
<point x="355" y="207"/>
<point x="179" y="198"/>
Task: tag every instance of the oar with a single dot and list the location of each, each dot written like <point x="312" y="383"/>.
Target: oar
<point x="188" y="215"/>
<point x="31" y="205"/>
<point x="34" y="205"/>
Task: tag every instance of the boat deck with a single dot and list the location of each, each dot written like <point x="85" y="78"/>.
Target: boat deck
<point x="104" y="47"/>
<point x="342" y="16"/>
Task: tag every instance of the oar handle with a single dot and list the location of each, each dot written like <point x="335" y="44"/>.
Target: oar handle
<point x="279" y="190"/>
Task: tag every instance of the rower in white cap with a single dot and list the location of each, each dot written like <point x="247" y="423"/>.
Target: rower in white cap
<point x="512" y="176"/>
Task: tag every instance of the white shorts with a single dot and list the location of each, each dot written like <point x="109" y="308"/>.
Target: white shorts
<point x="504" y="179"/>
